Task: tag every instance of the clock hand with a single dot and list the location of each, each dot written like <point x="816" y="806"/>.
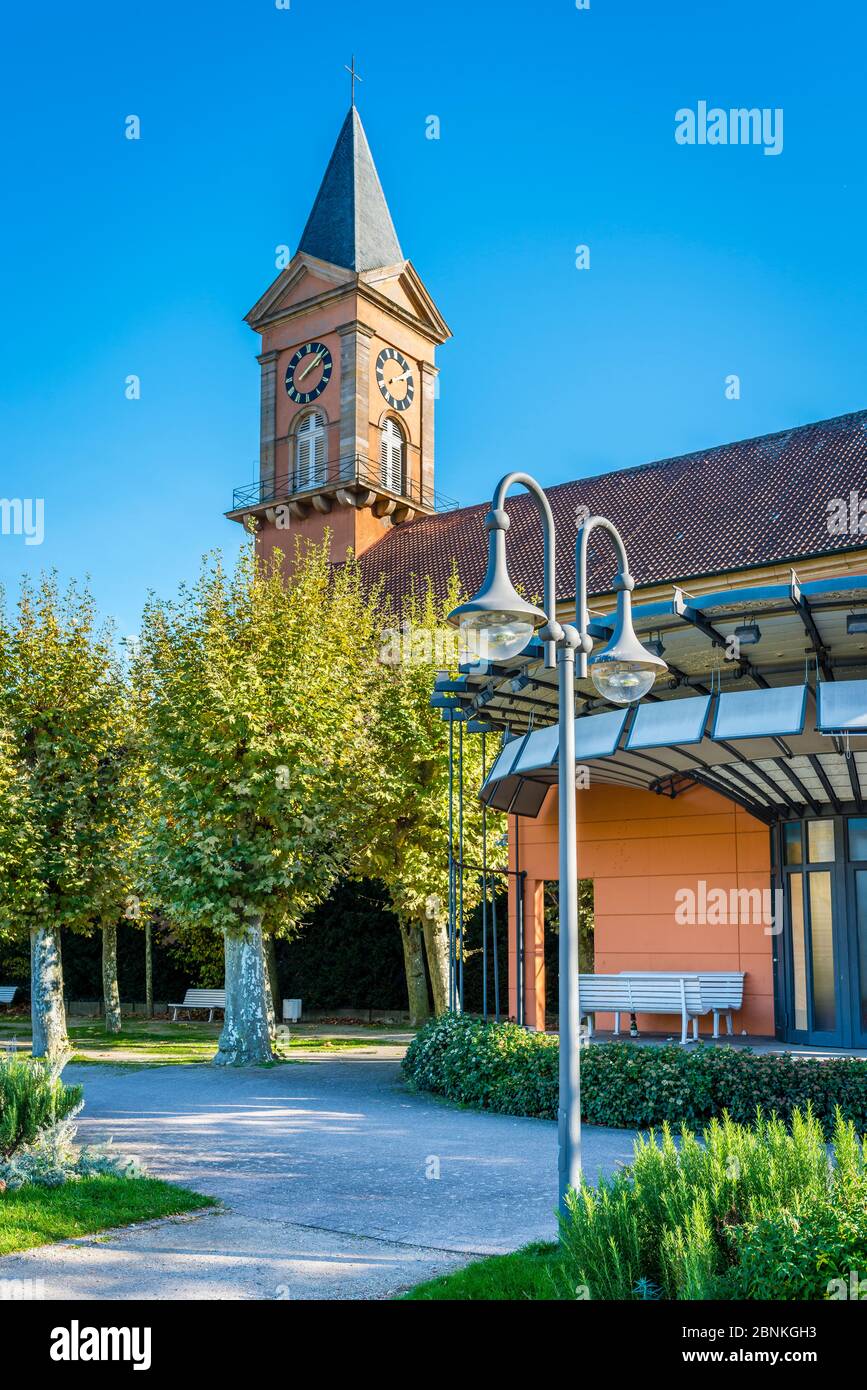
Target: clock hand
<point x="318" y="358"/>
<point x="403" y="376"/>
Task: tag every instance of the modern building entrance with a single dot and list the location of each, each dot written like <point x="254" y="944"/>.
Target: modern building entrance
<point x="820" y="957"/>
<point x="745" y="773"/>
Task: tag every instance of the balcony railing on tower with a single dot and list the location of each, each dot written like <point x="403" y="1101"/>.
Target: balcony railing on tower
<point x="354" y="474"/>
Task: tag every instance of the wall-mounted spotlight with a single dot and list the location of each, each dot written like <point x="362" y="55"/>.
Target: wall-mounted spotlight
<point x="748" y="634"/>
<point x="856" y="622"/>
<point x="656" y="645"/>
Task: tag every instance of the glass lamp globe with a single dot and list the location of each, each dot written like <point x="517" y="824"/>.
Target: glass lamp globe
<point x="623" y="682"/>
<point x="624" y="670"/>
<point x="494" y="635"/>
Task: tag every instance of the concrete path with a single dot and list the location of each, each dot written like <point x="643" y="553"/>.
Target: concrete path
<point x="337" y="1183"/>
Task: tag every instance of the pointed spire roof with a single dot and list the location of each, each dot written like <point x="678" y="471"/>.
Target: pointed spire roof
<point x="350" y="224"/>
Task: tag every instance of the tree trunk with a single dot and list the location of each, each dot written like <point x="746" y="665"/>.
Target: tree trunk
<point x="436" y="943"/>
<point x="110" y="989"/>
<point x="149" y="969"/>
<point x="416" y="983"/>
<point x="46" y="994"/>
<point x="272" y="980"/>
<point x="246" y="1039"/>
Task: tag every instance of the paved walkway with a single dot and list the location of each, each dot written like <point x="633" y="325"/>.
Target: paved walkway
<point x="326" y="1169"/>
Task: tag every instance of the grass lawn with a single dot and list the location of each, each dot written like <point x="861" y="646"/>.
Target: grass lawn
<point x="534" y="1272"/>
<point x="39" y="1215"/>
<point x="147" y="1042"/>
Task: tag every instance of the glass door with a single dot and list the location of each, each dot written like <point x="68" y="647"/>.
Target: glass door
<point x="818" y="1009"/>
<point x="856" y="849"/>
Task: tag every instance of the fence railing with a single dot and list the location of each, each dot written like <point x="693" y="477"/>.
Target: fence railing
<point x="355" y="470"/>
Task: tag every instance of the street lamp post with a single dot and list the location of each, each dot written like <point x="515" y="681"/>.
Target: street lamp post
<point x="622" y="671"/>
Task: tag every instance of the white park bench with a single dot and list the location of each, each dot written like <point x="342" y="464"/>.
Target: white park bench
<point x="721" y="990"/>
<point x="8" y="993"/>
<point x="603" y="994"/>
<point x="209" y="999"/>
<point x="650" y="993"/>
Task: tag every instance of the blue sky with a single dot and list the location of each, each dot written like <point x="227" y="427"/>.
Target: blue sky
<point x="123" y="257"/>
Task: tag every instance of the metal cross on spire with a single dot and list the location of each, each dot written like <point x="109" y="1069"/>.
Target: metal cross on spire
<point x="354" y="76"/>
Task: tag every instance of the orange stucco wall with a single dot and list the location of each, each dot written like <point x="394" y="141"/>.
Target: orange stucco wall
<point x="640" y="849"/>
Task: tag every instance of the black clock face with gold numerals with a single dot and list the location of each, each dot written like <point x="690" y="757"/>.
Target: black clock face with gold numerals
<point x="308" y="373"/>
<point x="394" y="378"/>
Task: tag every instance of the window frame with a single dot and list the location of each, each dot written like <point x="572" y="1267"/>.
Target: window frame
<point x="311" y="472"/>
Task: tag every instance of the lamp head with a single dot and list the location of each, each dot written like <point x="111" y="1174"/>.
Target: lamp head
<point x="496" y="626"/>
<point x="497" y="623"/>
<point x="624" y="669"/>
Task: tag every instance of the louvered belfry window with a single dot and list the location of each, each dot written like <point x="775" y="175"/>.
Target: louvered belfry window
<point x="391" y="456"/>
<point x="310" y="451"/>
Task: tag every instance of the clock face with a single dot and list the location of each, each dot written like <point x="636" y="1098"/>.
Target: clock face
<point x="308" y="372"/>
<point x="394" y="377"/>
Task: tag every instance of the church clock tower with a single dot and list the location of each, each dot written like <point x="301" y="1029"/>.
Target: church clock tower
<point x="349" y="334"/>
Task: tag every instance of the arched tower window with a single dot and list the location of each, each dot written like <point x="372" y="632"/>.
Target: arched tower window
<point x="310" y="459"/>
<point x="391" y="456"/>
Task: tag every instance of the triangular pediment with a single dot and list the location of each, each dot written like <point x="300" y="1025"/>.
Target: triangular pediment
<point x="404" y="287"/>
<point x="304" y="279"/>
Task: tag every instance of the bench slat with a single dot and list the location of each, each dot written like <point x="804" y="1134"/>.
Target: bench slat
<point x="689" y="993"/>
<point x="209" y="999"/>
<point x="202" y="999"/>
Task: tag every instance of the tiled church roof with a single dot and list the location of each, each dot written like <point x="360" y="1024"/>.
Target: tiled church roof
<point x="732" y="507"/>
<point x="350" y="224"/>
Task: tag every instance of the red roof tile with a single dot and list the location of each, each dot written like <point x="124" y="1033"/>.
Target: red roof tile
<point x="732" y="507"/>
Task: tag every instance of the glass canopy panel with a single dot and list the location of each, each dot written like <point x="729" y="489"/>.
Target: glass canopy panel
<point x="668" y="722"/>
<point x="506" y="759"/>
<point x="842" y="705"/>
<point x="761" y="713"/>
<point x="499" y="795"/>
<point x="529" y="798"/>
<point x="540" y="750"/>
<point x="597" y="735"/>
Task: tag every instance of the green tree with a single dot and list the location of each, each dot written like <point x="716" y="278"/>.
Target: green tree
<point x="407" y="845"/>
<point x="69" y="794"/>
<point x="258" y="691"/>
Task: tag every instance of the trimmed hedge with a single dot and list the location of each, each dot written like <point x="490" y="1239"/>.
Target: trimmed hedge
<point x="501" y="1067"/>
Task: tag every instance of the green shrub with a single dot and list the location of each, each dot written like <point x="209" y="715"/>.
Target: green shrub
<point x="33" y="1100"/>
<point x="741" y="1213"/>
<point x="807" y="1257"/>
<point x="490" y="1066"/>
<point x="499" y="1066"/>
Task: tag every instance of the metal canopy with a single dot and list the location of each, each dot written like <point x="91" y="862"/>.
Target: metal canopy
<point x="775" y="730"/>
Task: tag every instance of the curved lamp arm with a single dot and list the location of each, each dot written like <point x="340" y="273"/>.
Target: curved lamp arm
<point x="623" y="581"/>
<point x="498" y="520"/>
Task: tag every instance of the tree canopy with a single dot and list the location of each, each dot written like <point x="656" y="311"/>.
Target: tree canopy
<point x="258" y="690"/>
<point x="407" y="846"/>
<point x="68" y="787"/>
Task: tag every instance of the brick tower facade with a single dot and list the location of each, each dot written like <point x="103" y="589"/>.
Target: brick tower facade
<point x="348" y="338"/>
